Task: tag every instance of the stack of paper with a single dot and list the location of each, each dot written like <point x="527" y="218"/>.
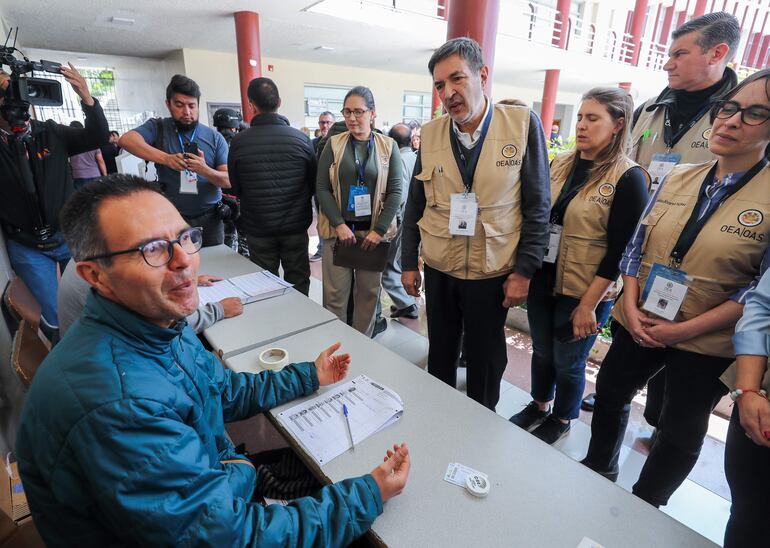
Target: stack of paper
<point x="248" y="288"/>
<point x="319" y="424"/>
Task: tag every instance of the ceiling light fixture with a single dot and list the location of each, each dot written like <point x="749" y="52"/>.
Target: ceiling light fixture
<point x="323" y="48"/>
<point x="122" y="21"/>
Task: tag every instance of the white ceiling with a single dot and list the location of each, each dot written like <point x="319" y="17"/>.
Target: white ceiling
<point x="286" y="31"/>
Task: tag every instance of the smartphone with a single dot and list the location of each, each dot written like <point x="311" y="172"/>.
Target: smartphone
<point x="191" y="148"/>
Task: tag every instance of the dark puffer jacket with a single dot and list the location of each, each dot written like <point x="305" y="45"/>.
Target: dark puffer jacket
<point x="272" y="170"/>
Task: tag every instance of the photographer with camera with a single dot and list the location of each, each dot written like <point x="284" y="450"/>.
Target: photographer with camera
<point x="36" y="176"/>
<point x="191" y="159"/>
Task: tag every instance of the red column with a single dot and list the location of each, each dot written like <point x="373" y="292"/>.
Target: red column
<point x="476" y="19"/>
<point x="752" y="60"/>
<point x="625" y="85"/>
<point x="637" y="28"/>
<point x="700" y="8"/>
<point x="249" y="55"/>
<point x="665" y="31"/>
<point x="683" y="15"/>
<point x="551" y="84"/>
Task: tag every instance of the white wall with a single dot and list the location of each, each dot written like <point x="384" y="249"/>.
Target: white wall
<point x="140" y="82"/>
<point x="217" y="75"/>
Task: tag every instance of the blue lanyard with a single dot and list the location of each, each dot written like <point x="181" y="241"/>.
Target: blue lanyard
<point x="190" y="140"/>
<point x="361" y="166"/>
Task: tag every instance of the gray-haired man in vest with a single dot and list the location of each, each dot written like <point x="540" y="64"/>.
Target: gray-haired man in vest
<point x="478" y="203"/>
<point x="673" y="128"/>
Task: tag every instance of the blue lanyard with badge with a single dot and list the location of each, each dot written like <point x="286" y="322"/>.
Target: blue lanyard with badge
<point x="359" y="199"/>
<point x="188" y="180"/>
<point x="660" y="166"/>
<point x="463" y="208"/>
<point x="667" y="286"/>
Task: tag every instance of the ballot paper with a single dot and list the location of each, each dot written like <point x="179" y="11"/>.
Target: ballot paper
<point x="319" y="424"/>
<point x="248" y="288"/>
<point x="457" y="473"/>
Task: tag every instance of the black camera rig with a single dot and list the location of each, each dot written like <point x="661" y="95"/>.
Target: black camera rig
<point x="22" y="90"/>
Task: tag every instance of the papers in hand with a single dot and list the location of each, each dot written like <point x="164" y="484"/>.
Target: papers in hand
<point x="319" y="424"/>
<point x="248" y="288"/>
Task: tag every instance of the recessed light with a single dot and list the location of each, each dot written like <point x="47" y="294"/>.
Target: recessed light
<point x="323" y="48"/>
<point x="122" y="21"/>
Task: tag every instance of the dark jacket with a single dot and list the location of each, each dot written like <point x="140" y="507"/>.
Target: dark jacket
<point x="50" y="145"/>
<point x="272" y="170"/>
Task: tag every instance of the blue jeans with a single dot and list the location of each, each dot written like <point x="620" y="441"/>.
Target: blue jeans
<point x="37" y="269"/>
<point x="558" y="367"/>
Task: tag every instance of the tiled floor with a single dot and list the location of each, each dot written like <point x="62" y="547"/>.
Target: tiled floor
<point x="701" y="503"/>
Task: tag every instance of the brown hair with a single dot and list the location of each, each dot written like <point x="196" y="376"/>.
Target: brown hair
<point x="619" y="105"/>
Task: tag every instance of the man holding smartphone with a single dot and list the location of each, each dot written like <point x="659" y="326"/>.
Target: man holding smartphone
<point x="190" y="158"/>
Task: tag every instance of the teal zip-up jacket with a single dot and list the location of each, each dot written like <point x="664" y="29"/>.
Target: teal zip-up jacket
<point x="122" y="442"/>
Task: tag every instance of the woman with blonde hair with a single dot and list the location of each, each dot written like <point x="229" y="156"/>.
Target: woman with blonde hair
<point x="597" y="194"/>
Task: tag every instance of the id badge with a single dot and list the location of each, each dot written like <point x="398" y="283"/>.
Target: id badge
<point x="463" y="211"/>
<point x="664" y="291"/>
<point x="554" y="241"/>
<point x="660" y="166"/>
<point x="363" y="205"/>
<point x="356" y="190"/>
<point x="188" y="182"/>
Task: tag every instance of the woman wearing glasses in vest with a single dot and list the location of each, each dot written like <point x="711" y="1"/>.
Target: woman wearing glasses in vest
<point x="598" y="194"/>
<point x="359" y="192"/>
<point x="699" y="248"/>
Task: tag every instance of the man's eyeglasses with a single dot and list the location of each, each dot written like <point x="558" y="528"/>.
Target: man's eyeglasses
<point x="752" y="115"/>
<point x="160" y="252"/>
<point x="357" y="112"/>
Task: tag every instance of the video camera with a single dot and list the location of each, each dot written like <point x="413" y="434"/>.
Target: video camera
<point x="24" y="91"/>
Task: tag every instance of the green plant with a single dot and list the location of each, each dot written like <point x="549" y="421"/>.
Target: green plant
<point x="558" y="148"/>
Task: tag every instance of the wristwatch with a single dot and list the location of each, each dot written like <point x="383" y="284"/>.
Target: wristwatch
<point x="738" y="392"/>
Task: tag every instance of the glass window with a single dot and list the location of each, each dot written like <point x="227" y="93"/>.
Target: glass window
<point x="417" y="106"/>
<point x="319" y="99"/>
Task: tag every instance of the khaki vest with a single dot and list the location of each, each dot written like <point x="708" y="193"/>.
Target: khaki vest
<point x="383" y="148"/>
<point x="492" y="250"/>
<point x="584" y="238"/>
<point x="725" y="256"/>
<point x="693" y="146"/>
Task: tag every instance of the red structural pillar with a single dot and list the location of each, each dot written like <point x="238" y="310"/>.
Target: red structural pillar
<point x="476" y="19"/>
<point x="249" y="55"/>
<point x="665" y="31"/>
<point x="683" y="15"/>
<point x="551" y="84"/>
<point x="700" y="8"/>
<point x="625" y="85"/>
<point x="637" y="28"/>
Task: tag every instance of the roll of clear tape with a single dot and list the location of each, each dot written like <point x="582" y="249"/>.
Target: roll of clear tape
<point x="273" y="359"/>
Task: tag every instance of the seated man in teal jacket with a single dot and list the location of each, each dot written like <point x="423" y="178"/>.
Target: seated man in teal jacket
<point x="122" y="440"/>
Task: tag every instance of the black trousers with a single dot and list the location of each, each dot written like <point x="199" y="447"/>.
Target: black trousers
<point x="475" y="307"/>
<point x="692" y="390"/>
<point x="212" y="225"/>
<point x="747" y="467"/>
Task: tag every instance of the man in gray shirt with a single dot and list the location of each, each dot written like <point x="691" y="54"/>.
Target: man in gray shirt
<point x="73" y="292"/>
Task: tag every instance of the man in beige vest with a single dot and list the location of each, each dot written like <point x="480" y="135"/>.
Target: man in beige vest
<point x="673" y="128"/>
<point x="478" y="203"/>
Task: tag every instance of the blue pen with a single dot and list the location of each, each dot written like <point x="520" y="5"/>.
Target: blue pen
<point x="347" y="421"/>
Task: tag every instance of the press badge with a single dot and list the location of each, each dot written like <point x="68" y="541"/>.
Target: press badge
<point x="356" y="191"/>
<point x="664" y="291"/>
<point x="660" y="166"/>
<point x="188" y="182"/>
<point x="363" y="205"/>
<point x="463" y="211"/>
<point x="554" y="241"/>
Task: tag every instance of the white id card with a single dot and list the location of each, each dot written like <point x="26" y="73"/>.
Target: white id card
<point x="188" y="182"/>
<point x="660" y="166"/>
<point x="554" y="240"/>
<point x="457" y="473"/>
<point x="362" y="204"/>
<point x="665" y="297"/>
<point x="463" y="210"/>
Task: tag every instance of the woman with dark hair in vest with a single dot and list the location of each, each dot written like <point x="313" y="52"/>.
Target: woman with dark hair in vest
<point x="597" y="195"/>
<point x="701" y="245"/>
<point x="359" y="193"/>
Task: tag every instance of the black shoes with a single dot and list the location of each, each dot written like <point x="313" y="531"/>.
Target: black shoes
<point x="551" y="430"/>
<point x="588" y="402"/>
<point x="611" y="475"/>
<point x="408" y="312"/>
<point x="380" y="325"/>
<point x="530" y="417"/>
